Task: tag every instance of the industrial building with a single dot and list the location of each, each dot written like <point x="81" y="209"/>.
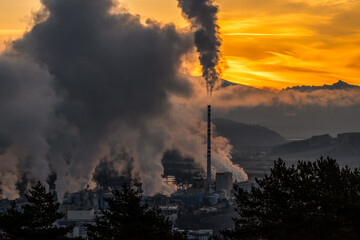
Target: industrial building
<point x="224" y="182"/>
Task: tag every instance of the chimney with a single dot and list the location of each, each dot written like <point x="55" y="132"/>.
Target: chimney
<point x="209" y="149"/>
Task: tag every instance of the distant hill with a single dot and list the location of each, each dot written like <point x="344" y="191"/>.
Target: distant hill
<point x="241" y="134"/>
<point x="313" y="143"/>
<point x="225" y="83"/>
<point x="336" y="86"/>
<point x="345" y="148"/>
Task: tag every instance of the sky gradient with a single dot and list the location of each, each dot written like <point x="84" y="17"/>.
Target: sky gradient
<point x="267" y="44"/>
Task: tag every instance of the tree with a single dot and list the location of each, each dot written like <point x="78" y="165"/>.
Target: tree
<point x="128" y="218"/>
<point x="36" y="220"/>
<point x="312" y="200"/>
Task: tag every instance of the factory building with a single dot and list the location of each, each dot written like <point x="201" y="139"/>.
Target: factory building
<point x="193" y="196"/>
<point x="80" y="214"/>
<point x="224" y="182"/>
<point x="202" y="234"/>
<point x="78" y="217"/>
<point x="171" y="212"/>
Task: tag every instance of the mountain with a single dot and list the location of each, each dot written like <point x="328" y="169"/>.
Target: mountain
<point x="313" y="143"/>
<point x="336" y="86"/>
<point x="344" y="147"/>
<point x="241" y="134"/>
<point x="225" y="83"/>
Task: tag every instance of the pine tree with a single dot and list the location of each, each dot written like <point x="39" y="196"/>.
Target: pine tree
<point x="128" y="218"/>
<point x="36" y="220"/>
<point x="312" y="200"/>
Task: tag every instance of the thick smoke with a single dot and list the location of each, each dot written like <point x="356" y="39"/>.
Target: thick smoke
<point x="86" y="84"/>
<point x="203" y="16"/>
<point x="27" y="102"/>
<point x="110" y="70"/>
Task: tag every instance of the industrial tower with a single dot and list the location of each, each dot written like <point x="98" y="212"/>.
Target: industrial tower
<point x="209" y="150"/>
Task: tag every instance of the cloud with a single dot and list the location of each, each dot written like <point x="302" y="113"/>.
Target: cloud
<point x="242" y="96"/>
<point x="315" y="35"/>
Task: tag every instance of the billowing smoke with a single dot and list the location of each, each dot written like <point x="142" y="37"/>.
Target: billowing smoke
<point x="203" y="17"/>
<point x="110" y="71"/>
<point x="86" y="84"/>
<point x="27" y="101"/>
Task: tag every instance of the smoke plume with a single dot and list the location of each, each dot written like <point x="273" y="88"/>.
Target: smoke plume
<point x="87" y="83"/>
<point x="203" y="17"/>
<point x="27" y="101"/>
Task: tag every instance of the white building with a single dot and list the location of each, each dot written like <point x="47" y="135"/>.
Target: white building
<point x="203" y="234"/>
<point x="80" y="215"/>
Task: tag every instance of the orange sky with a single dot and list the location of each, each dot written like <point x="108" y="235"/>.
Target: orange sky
<point x="274" y="44"/>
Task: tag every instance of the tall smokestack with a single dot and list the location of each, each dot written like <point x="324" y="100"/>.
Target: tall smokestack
<point x="209" y="149"/>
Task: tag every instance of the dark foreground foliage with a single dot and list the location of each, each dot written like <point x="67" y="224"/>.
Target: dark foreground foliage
<point x="36" y="220"/>
<point x="128" y="218"/>
<point x="312" y="200"/>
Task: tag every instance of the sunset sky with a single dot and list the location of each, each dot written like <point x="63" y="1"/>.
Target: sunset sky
<point x="272" y="44"/>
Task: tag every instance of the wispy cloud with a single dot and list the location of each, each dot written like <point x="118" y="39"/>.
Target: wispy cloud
<point x="267" y="34"/>
<point x="285" y="42"/>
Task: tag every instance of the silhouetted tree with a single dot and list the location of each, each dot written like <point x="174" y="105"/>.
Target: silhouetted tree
<point x="128" y="218"/>
<point x="312" y="200"/>
<point x="36" y="220"/>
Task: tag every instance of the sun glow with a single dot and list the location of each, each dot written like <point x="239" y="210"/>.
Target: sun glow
<point x="272" y="44"/>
